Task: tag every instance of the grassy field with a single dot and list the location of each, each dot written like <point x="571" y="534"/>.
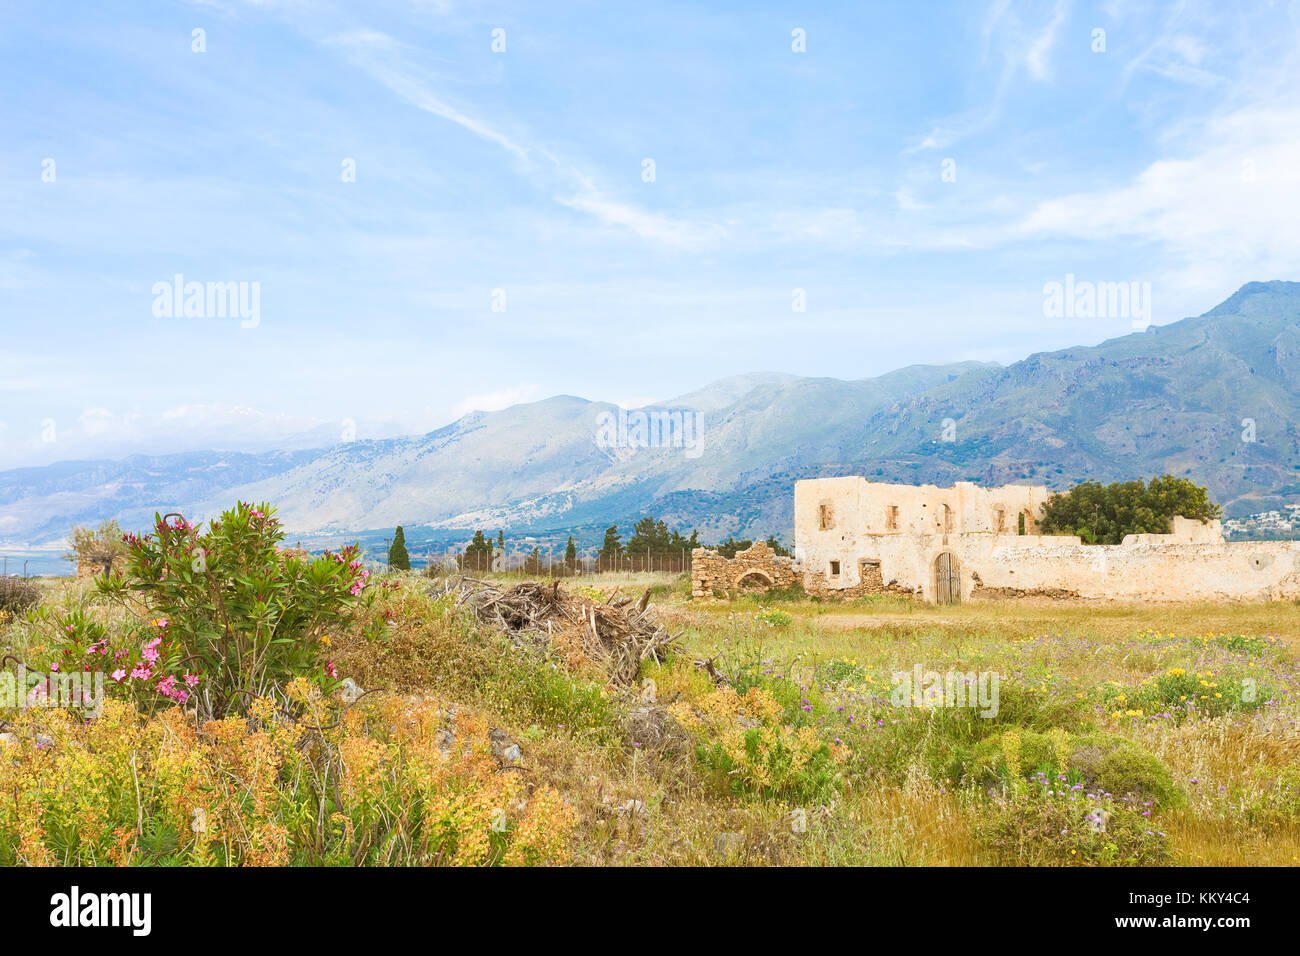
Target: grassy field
<point x="1122" y="735"/>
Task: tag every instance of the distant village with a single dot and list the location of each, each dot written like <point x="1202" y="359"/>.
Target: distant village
<point x="1280" y="523"/>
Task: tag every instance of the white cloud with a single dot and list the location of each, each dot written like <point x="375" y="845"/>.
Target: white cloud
<point x="497" y="400"/>
<point x="1237" y="196"/>
<point x="1040" y="48"/>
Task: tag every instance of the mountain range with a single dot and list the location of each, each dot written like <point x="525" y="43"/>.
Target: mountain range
<point x="1214" y="398"/>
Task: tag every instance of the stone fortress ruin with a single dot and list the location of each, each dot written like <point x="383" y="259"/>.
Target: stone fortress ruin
<point x="855" y="537"/>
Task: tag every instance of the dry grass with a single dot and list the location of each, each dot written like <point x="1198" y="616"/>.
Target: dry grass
<point x="894" y="800"/>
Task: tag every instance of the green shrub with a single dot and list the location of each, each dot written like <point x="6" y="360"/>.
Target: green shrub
<point x="774" y="618"/>
<point x="18" y="594"/>
<point x="531" y="691"/>
<point x="1276" y="802"/>
<point x="1186" y="693"/>
<point x="1045" y="825"/>
<point x="840" y="672"/>
<point x="1102" y="763"/>
<point x="236" y="616"/>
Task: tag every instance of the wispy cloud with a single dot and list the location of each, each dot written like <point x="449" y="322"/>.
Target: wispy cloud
<point x="1020" y="47"/>
<point x="380" y="56"/>
<point x="1040" y="47"/>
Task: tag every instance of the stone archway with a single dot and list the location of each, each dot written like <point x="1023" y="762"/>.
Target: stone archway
<point x="755" y="579"/>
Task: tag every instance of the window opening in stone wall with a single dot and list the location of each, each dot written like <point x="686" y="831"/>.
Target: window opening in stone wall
<point x="827" y="517"/>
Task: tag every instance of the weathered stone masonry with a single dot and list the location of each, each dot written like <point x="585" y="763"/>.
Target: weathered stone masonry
<point x="856" y="537"/>
<point x="758" y="566"/>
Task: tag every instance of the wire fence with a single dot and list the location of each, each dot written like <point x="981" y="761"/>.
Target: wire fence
<point x="559" y="566"/>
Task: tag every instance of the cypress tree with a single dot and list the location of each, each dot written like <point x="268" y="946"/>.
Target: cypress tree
<point x="612" y="547"/>
<point x="398" y="559"/>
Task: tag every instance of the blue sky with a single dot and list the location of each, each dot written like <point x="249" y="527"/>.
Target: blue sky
<point x="1172" y="157"/>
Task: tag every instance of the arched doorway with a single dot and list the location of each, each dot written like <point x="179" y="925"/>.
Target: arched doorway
<point x="754" y="579"/>
<point x="947" y="579"/>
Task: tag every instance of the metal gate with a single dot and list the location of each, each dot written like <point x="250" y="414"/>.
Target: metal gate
<point x="947" y="580"/>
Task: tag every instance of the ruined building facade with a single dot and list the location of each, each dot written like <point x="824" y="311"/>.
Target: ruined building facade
<point x="945" y="545"/>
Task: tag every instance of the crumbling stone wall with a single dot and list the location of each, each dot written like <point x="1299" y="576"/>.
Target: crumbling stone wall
<point x="852" y="539"/>
<point x="870" y="580"/>
<point x="757" y="567"/>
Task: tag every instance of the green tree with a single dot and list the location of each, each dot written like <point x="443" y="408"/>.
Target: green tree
<point x="398" y="559"/>
<point x="478" y="554"/>
<point x="612" y="546"/>
<point x="653" y="537"/>
<point x="1104" y="514"/>
<point x="571" y="555"/>
<point x="97" y="548"/>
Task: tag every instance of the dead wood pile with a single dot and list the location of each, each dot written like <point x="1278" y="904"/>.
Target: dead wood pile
<point x="615" y="632"/>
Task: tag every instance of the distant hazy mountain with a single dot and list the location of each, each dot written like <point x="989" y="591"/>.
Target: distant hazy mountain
<point x="1182" y="398"/>
<point x="38" y="505"/>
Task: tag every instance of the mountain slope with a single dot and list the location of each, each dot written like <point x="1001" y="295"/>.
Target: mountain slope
<point x="1179" y="398"/>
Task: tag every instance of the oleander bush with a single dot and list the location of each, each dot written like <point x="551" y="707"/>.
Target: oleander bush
<point x="232" y="615"/>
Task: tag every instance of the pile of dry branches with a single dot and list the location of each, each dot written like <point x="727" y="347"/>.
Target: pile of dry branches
<point x="616" y="632"/>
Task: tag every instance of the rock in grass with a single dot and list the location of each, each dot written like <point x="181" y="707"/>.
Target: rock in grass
<point x="503" y="748"/>
<point x="350" y="690"/>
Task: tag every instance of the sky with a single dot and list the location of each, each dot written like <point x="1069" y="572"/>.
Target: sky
<point x="443" y="206"/>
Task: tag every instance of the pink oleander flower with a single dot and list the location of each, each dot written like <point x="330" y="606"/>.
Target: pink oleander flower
<point x="118" y="674"/>
<point x="192" y="680"/>
<point x="140" y="672"/>
<point x="54" y="666"/>
<point x="331" y="670"/>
